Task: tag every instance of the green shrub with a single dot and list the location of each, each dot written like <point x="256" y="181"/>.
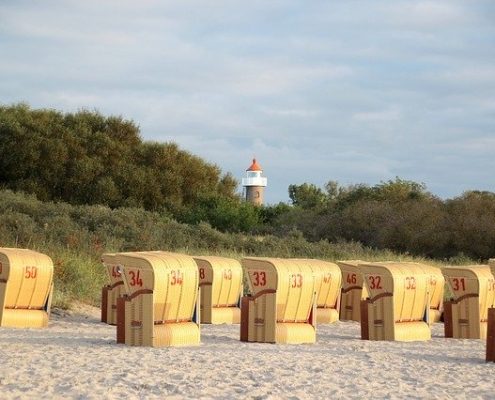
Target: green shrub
<point x="75" y="237"/>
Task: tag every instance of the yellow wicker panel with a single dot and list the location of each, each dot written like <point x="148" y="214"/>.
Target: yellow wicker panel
<point x="226" y="315"/>
<point x="180" y="334"/>
<point x="25" y="318"/>
<point x="326" y="315"/>
<point x="26" y="283"/>
<point x="295" y="333"/>
<point x="412" y="331"/>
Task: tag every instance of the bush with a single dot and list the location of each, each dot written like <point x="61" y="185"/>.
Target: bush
<point x="75" y="237"/>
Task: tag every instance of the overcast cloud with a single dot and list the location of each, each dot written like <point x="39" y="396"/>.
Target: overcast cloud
<point x="353" y="91"/>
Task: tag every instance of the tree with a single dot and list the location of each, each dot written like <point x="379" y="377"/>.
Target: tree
<point x="88" y="158"/>
<point x="306" y="196"/>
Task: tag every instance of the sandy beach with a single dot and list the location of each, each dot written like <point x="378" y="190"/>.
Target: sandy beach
<point x="77" y="358"/>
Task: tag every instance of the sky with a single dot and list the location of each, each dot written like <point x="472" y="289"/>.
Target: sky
<point x="349" y="91"/>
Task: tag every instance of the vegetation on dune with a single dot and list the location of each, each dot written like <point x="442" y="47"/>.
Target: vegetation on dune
<point x="76" y="236"/>
<point x="75" y="185"/>
<point x="398" y="215"/>
<point x="87" y="158"/>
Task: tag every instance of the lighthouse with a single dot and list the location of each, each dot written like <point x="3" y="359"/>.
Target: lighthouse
<point x="254" y="184"/>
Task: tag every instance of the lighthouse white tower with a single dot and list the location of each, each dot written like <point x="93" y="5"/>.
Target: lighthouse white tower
<point x="254" y="184"/>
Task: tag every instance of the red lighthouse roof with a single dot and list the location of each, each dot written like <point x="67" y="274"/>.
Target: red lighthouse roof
<point x="255" y="166"/>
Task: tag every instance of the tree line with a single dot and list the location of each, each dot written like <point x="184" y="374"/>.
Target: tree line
<point x="399" y="215"/>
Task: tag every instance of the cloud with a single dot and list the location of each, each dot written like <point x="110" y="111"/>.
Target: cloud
<point x="381" y="116"/>
<point x="290" y="112"/>
<point x="349" y="91"/>
<point x="428" y="14"/>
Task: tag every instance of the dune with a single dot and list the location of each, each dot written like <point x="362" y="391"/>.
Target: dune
<point x="77" y="357"/>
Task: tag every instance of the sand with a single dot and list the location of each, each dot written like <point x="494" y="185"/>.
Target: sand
<point x="77" y="358"/>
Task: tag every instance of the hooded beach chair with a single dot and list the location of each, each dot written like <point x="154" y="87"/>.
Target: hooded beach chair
<point x="397" y="304"/>
<point x="220" y="280"/>
<point x="328" y="281"/>
<point x="472" y="294"/>
<point x="111" y="292"/>
<point x="282" y="304"/>
<point x="160" y="304"/>
<point x="490" y="331"/>
<point x="26" y="288"/>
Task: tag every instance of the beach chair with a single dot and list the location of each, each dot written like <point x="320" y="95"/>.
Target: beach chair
<point x="398" y="301"/>
<point x="328" y="281"/>
<point x="26" y="288"/>
<point x="353" y="290"/>
<point x="436" y="292"/>
<point x="472" y="294"/>
<point x="282" y="305"/>
<point x="490" y="331"/>
<point x="160" y="304"/>
<point x="111" y="292"/>
<point x="436" y="289"/>
<point x="220" y="280"/>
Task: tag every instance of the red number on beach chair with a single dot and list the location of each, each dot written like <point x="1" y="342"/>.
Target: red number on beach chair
<point x="227" y="274"/>
<point x="458" y="284"/>
<point x="296" y="280"/>
<point x="375" y="282"/>
<point x="115" y="272"/>
<point x="327" y="278"/>
<point x="30" y="272"/>
<point x="259" y="278"/>
<point x="177" y="278"/>
<point x="410" y="283"/>
<point x="136" y="279"/>
<point x="351" y="278"/>
<point x="202" y="273"/>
